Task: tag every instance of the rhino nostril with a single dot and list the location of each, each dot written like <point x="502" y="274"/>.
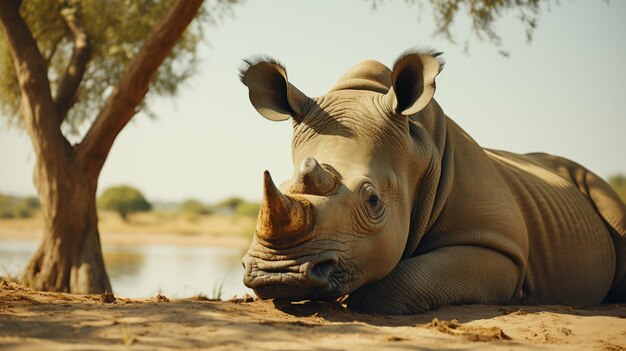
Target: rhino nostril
<point x="324" y="268"/>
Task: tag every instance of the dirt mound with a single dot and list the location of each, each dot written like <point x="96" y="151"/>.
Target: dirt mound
<point x="472" y="333"/>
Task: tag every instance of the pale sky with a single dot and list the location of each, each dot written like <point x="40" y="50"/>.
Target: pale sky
<point x="564" y="93"/>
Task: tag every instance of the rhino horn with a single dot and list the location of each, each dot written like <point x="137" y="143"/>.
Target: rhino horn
<point x="314" y="179"/>
<point x="284" y="220"/>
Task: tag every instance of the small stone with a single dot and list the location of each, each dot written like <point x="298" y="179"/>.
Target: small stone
<point x="107" y="297"/>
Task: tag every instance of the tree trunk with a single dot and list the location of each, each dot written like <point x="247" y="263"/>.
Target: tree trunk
<point x="69" y="258"/>
<point x="66" y="176"/>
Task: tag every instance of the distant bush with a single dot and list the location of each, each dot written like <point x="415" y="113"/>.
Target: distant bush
<point x="250" y="209"/>
<point x="17" y="207"/>
<point x="230" y="204"/>
<point x="237" y="206"/>
<point x="191" y="209"/>
<point x="618" y="182"/>
<point x="124" y="200"/>
<point x="31" y="202"/>
<point x="195" y="207"/>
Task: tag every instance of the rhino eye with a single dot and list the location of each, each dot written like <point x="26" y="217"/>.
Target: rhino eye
<point x="372" y="203"/>
<point x="374" y="200"/>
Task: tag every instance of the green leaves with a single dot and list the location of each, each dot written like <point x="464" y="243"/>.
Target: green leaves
<point x="482" y="15"/>
<point x="116" y="30"/>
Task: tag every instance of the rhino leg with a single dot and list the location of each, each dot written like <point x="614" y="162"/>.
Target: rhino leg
<point x="446" y="276"/>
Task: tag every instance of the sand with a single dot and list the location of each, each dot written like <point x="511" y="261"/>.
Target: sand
<point x="31" y="320"/>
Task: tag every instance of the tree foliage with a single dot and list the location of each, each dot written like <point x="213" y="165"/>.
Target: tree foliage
<point x="124" y="200"/>
<point x="483" y="14"/>
<point x="618" y="182"/>
<point x="115" y="30"/>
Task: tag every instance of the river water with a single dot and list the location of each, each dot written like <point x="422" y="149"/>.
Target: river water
<point x="146" y="270"/>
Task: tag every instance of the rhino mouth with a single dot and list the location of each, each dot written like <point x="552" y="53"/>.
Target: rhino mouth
<point x="307" y="277"/>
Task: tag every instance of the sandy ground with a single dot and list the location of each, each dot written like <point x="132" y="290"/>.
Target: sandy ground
<point x="32" y="320"/>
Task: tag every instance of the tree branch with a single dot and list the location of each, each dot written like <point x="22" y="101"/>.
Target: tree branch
<point x="48" y="57"/>
<point x="37" y="107"/>
<point x="70" y="82"/>
<point x="133" y="85"/>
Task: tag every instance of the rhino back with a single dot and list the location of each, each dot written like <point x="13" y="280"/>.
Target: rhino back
<point x="571" y="257"/>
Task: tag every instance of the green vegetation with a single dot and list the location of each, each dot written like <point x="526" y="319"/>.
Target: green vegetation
<point x="230" y="203"/>
<point x="114" y="31"/>
<point x="194" y="207"/>
<point x="618" y="182"/>
<point x="124" y="200"/>
<point x="238" y="206"/>
<point x="230" y="206"/>
<point x="17" y="207"/>
<point x="250" y="209"/>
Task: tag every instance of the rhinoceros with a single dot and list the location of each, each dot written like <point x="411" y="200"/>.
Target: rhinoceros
<point x="397" y="210"/>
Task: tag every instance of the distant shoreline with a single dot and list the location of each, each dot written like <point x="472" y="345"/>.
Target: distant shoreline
<point x="214" y="231"/>
<point x="136" y="239"/>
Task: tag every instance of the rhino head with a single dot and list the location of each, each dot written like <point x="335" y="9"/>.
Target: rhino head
<point x="344" y="217"/>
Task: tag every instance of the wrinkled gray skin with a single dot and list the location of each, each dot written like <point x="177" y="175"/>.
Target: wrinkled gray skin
<point x="396" y="206"/>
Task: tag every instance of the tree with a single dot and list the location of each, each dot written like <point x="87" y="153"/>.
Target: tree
<point x="124" y="200"/>
<point x="618" y="182"/>
<point x="72" y="63"/>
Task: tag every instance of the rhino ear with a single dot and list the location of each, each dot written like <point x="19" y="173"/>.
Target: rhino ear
<point x="413" y="81"/>
<point x="270" y="92"/>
